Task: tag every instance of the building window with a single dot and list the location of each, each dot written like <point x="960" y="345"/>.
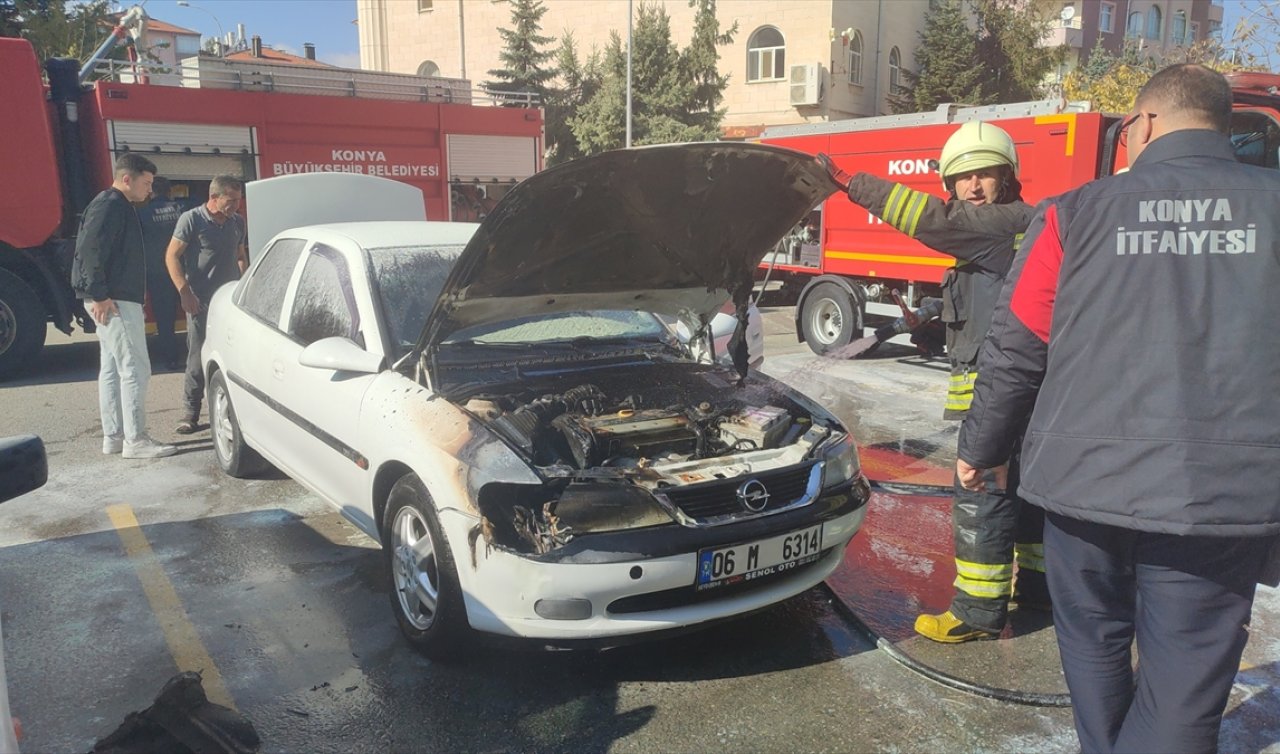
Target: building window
<point x="1179" y="28"/>
<point x="895" y="71"/>
<point x="186" y="44"/>
<point x="1194" y="33"/>
<point x="1134" y="27"/>
<point x="1154" y="22"/>
<point x="855" y="58"/>
<point x="428" y="68"/>
<point x="1106" y="17"/>
<point x="424" y="5"/>
<point x="766" y="55"/>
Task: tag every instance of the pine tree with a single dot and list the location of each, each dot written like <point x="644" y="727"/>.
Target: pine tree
<point x="1009" y="48"/>
<point x="699" y="64"/>
<point x="523" y="57"/>
<point x="579" y="81"/>
<point x="57" y="29"/>
<point x="946" y="62"/>
<point x="675" y="95"/>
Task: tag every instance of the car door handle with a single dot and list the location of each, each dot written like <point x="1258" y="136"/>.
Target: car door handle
<point x="277" y="369"/>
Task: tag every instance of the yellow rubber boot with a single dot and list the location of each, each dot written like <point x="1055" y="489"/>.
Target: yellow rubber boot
<point x="949" y="629"/>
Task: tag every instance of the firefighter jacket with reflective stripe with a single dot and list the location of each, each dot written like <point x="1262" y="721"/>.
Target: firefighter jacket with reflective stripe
<point x="983" y="239"/>
<point x="110" y="260"/>
<point x="1133" y="330"/>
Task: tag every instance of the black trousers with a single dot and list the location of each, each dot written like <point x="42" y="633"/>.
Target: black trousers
<point x="1186" y="599"/>
<point x="164" y="309"/>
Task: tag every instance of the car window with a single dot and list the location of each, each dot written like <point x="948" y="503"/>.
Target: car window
<point x="324" y="305"/>
<point x="1256" y="139"/>
<point x="408" y="280"/>
<point x="596" y="325"/>
<point x="263" y="292"/>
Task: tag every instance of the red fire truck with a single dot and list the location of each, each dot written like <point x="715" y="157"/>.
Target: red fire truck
<point x="846" y="264"/>
<point x="211" y="116"/>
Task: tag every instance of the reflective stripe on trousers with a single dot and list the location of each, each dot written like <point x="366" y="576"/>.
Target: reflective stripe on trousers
<point x="960" y="391"/>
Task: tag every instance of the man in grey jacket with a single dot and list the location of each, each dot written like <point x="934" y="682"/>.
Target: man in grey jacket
<point x="109" y="272"/>
<point x="1123" y="334"/>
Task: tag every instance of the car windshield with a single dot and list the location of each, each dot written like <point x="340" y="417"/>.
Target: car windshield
<point x="581" y="326"/>
<point x="409" y="280"/>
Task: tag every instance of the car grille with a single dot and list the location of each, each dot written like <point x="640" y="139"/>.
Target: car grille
<point x="714" y="502"/>
<point x="689" y="595"/>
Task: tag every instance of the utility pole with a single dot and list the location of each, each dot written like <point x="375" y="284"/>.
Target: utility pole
<point x="629" y="74"/>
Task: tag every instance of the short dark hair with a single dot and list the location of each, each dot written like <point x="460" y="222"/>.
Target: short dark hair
<point x="1193" y="90"/>
<point x="221" y="184"/>
<point x="133" y="165"/>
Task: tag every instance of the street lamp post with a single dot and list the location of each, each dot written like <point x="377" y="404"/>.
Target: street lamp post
<point x="629" y="16"/>
<point x="222" y="35"/>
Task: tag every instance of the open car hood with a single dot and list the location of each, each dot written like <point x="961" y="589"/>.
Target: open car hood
<point x="672" y="229"/>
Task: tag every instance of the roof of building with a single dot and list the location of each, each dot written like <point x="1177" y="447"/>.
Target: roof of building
<point x="270" y="55"/>
<point x="155" y="24"/>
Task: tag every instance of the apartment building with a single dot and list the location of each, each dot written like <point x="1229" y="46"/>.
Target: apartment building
<point x="791" y="61"/>
<point x="1158" y="26"/>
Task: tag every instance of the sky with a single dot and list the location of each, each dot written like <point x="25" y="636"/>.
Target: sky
<point x="329" y="24"/>
<point x="282" y="24"/>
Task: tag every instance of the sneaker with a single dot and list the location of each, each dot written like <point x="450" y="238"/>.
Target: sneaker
<point x="949" y="629"/>
<point x="112" y="444"/>
<point x="145" y="447"/>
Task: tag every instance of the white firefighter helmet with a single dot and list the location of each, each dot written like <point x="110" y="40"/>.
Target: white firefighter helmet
<point x="974" y="146"/>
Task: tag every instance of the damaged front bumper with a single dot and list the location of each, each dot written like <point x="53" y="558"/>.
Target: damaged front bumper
<point x="645" y="580"/>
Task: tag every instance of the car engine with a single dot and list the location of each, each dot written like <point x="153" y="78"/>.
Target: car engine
<point x="584" y="428"/>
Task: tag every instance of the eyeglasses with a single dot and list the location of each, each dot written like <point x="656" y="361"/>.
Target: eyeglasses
<point x="1124" y="127"/>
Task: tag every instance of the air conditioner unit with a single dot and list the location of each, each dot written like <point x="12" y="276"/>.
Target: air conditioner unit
<point x="806" y="84"/>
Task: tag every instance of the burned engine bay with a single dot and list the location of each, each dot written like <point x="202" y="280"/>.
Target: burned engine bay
<point x="605" y="447"/>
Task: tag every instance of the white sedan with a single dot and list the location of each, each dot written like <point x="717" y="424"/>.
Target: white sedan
<point x="503" y="407"/>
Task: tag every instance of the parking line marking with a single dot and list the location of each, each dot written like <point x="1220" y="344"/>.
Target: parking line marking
<point x="179" y="633"/>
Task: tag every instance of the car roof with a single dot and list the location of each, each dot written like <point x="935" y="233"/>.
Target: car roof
<point x="391" y="233"/>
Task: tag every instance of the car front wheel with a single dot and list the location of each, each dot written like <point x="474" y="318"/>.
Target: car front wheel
<point x="235" y="458"/>
<point x="425" y="594"/>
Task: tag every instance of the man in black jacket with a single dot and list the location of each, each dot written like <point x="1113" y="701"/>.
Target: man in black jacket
<point x="109" y="272"/>
<point x="1124" y="334"/>
<point x="980" y="225"/>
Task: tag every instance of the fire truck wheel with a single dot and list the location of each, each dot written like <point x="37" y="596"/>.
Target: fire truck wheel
<point x="22" y="324"/>
<point x="235" y="458"/>
<point x="829" y="318"/>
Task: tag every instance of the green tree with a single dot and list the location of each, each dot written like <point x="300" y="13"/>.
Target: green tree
<point x="979" y="52"/>
<point x="1009" y="46"/>
<point x="945" y="70"/>
<point x="700" y="66"/>
<point x="525" y="57"/>
<point x="579" y="81"/>
<point x="55" y="28"/>
<point x="675" y="95"/>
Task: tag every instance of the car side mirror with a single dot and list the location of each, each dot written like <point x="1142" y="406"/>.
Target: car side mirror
<point x="23" y="466"/>
<point x="341" y="355"/>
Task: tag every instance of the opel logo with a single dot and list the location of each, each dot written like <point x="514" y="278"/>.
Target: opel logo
<point x="753" y="495"/>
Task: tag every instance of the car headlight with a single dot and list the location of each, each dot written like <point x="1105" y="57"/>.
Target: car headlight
<point x="540" y="518"/>
<point x="841" y="458"/>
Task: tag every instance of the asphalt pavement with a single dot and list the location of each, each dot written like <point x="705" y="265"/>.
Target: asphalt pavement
<point x="119" y="573"/>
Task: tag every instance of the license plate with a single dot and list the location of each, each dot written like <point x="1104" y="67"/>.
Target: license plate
<point x="722" y="566"/>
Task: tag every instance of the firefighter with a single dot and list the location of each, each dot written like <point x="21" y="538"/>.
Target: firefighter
<point x="980" y="224"/>
<point x="1151" y="441"/>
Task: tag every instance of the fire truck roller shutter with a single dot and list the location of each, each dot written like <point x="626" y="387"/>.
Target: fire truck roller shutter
<point x="189" y="152"/>
<point x="829" y="313"/>
<point x="493" y="162"/>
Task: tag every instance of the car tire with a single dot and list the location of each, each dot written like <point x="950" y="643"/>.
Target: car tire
<point x="235" y="458"/>
<point x="23" y="324"/>
<point x="829" y="318"/>
<point x="420" y="570"/>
